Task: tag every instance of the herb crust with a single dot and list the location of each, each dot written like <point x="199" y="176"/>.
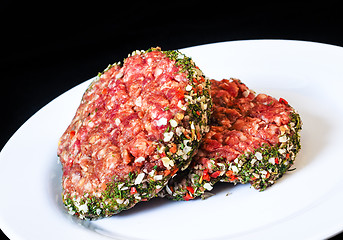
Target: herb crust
<point x="263" y="161"/>
<point x="180" y="142"/>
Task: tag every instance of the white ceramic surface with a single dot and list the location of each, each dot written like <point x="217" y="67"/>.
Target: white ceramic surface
<point x="304" y="204"/>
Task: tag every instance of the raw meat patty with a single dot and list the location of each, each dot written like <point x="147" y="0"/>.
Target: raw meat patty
<point x="137" y="125"/>
<point x="252" y="139"/>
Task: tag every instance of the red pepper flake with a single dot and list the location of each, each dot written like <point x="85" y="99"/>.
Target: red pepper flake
<point x="190" y="189"/>
<point x="133" y="190"/>
<point x="198" y="135"/>
<point x="205" y="175"/>
<point x="267" y="175"/>
<point x="200" y="89"/>
<point x="194" y="80"/>
<point x="104" y="91"/>
<point x="166" y="172"/>
<point x="287" y="155"/>
<point x="282" y="100"/>
<point x="174" y="171"/>
<point x="186" y="135"/>
<point x="229" y="173"/>
<point x="231" y="176"/>
<point x="276" y="160"/>
<point x="103" y="186"/>
<point x="187" y="197"/>
<point x="71" y="134"/>
<point x="198" y="113"/>
<point x="173" y="148"/>
<point x="215" y="174"/>
<point x="170" y="172"/>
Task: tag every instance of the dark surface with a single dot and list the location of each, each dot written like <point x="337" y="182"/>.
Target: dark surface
<point x="48" y="49"/>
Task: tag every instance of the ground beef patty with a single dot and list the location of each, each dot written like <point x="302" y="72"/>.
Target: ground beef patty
<point x="137" y="125"/>
<point x="252" y="139"/>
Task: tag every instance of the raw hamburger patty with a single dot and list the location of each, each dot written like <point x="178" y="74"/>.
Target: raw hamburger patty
<point x="252" y="139"/>
<point x="137" y="125"/>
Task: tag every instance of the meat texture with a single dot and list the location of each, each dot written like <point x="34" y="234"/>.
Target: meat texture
<point x="252" y="139"/>
<point x="136" y="126"/>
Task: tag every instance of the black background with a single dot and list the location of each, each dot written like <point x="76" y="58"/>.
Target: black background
<point x="49" y="48"/>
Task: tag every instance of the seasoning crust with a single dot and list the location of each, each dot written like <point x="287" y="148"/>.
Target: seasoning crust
<point x="252" y="139"/>
<point x="138" y="123"/>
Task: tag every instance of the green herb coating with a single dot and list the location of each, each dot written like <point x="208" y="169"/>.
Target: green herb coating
<point x="180" y="141"/>
<point x="260" y="167"/>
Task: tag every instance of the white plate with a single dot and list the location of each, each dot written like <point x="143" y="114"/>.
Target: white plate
<point x="304" y="204"/>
